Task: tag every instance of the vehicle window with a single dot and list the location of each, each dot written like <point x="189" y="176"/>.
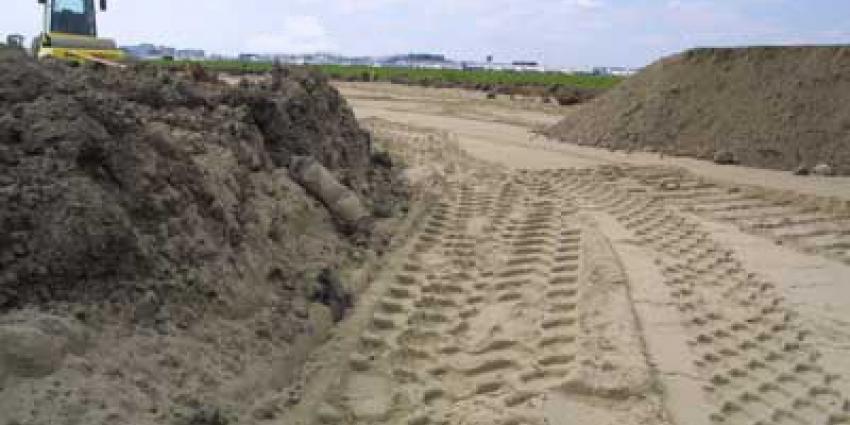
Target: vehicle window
<point x="73" y="6"/>
<point x="73" y="17"/>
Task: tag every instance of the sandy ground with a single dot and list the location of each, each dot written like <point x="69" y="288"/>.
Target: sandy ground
<point x="551" y="284"/>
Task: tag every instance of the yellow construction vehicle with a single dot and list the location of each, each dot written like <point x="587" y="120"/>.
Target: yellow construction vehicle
<point x="70" y="33"/>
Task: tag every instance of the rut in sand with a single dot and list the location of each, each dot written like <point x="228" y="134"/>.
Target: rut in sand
<point x="511" y="306"/>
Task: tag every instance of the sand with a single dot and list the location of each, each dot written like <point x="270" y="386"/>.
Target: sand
<point x="531" y="282"/>
<point x="549" y="286"/>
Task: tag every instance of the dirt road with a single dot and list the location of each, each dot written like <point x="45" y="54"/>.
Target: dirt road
<point x="549" y="284"/>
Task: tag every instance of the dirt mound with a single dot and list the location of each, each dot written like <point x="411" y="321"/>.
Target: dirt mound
<point x="109" y="176"/>
<point x="770" y="107"/>
<point x="153" y="200"/>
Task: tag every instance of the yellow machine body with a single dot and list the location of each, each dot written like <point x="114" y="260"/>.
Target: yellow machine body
<point x="79" y="47"/>
<point x="70" y="33"/>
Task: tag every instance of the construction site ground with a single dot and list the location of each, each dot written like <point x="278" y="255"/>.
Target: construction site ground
<point x="546" y="283"/>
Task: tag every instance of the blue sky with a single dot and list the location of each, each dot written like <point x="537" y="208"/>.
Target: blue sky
<point x="555" y="32"/>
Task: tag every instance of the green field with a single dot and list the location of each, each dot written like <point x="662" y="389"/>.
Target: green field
<point x="474" y="77"/>
<point x="426" y="76"/>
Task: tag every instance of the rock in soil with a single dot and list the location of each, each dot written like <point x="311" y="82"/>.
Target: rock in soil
<point x="802" y="171"/>
<point x="330" y="291"/>
<point x="724" y="157"/>
<point x="823" y="170"/>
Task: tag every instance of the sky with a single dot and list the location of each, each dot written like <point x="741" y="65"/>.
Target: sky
<point x="569" y="33"/>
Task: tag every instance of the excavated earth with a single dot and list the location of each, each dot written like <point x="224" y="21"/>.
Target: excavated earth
<point x="204" y="242"/>
<point x="159" y="263"/>
<point x="771" y="107"/>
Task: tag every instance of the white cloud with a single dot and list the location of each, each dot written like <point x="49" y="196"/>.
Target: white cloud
<point x="360" y="6"/>
<point x="298" y="34"/>
<point x="587" y="4"/>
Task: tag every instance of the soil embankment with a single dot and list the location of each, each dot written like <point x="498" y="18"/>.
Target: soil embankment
<point x="159" y="260"/>
<point x="770" y="107"/>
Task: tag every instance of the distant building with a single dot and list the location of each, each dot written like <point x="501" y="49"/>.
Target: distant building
<point x="419" y="60"/>
<point x="473" y="66"/>
<point x="147" y="51"/>
<point x="307" y="59"/>
<point x="249" y="57"/>
<point x="357" y="61"/>
<point x="526" y="66"/>
<point x="618" y="71"/>
<point x="15" y="40"/>
<point x="414" y="60"/>
<point x="190" y="54"/>
<point x="576" y="70"/>
<point x="518" y="66"/>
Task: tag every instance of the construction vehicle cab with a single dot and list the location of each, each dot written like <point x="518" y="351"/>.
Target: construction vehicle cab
<point x="70" y="32"/>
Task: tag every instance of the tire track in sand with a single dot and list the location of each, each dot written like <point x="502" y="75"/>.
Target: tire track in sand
<point x="497" y="317"/>
<point x="512" y="307"/>
<point x="750" y="348"/>
<point x="814" y="225"/>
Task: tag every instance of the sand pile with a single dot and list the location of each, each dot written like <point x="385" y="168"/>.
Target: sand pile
<point x="770" y="107"/>
<point x="157" y="256"/>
